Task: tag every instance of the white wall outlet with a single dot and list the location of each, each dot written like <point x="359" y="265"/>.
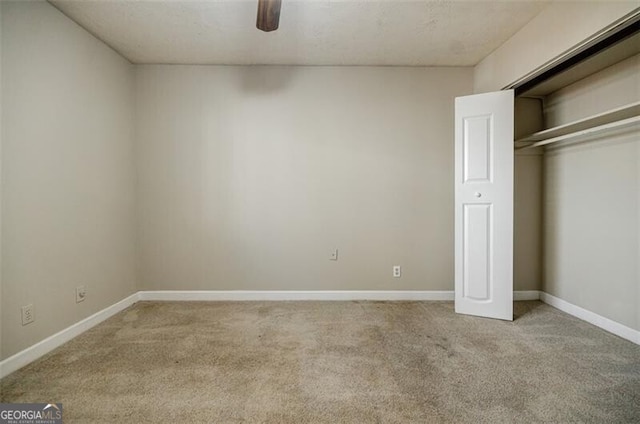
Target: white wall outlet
<point x="334" y="255"/>
<point x="397" y="271"/>
<point x="28" y="314"/>
<point x="81" y="294"/>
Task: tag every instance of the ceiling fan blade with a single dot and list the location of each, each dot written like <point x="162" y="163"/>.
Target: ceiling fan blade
<point x="268" y="15"/>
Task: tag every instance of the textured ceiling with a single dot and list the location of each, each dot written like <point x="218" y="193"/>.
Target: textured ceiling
<point x="312" y="32"/>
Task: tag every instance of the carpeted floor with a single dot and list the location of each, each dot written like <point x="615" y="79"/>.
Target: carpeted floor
<point x="336" y="362"/>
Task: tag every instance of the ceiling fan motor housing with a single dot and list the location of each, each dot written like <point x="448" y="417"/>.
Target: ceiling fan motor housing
<point x="268" y="15"/>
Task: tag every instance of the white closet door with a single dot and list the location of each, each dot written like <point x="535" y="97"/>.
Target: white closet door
<point x="484" y="205"/>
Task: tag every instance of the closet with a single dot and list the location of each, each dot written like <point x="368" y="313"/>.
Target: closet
<point x="622" y="44"/>
<point x="588" y="96"/>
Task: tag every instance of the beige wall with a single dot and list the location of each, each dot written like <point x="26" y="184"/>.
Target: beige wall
<point x="556" y="29"/>
<point x="592" y="202"/>
<point x="67" y="173"/>
<point x="250" y="176"/>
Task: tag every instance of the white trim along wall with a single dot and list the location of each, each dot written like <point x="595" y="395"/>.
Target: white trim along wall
<point x="38" y="350"/>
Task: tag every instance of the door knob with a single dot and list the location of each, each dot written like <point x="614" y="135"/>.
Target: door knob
<point x="478" y="194"/>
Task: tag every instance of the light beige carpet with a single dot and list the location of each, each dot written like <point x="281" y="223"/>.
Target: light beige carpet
<point x="336" y="362"/>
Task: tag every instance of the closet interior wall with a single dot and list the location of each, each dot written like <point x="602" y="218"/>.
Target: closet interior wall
<point x="591" y="200"/>
<point x="527" y="214"/>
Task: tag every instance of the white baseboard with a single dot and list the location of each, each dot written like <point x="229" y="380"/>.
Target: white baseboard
<point x="30" y="354"/>
<point x="274" y="295"/>
<point x="45" y="346"/>
<point x="270" y="295"/>
<point x="592" y="318"/>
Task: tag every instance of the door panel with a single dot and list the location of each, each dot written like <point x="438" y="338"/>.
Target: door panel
<point x="484" y="205"/>
<point x="477" y="149"/>
<point x="477" y="252"/>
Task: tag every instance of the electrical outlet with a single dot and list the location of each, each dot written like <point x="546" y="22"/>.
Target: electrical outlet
<point x="334" y="255"/>
<point x="28" y="314"/>
<point x="81" y="294"/>
<point x="397" y="271"/>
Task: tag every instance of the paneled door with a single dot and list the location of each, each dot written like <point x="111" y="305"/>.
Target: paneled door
<point x="484" y="205"/>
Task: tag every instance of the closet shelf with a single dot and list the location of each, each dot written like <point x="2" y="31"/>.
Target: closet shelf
<point x="614" y="119"/>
